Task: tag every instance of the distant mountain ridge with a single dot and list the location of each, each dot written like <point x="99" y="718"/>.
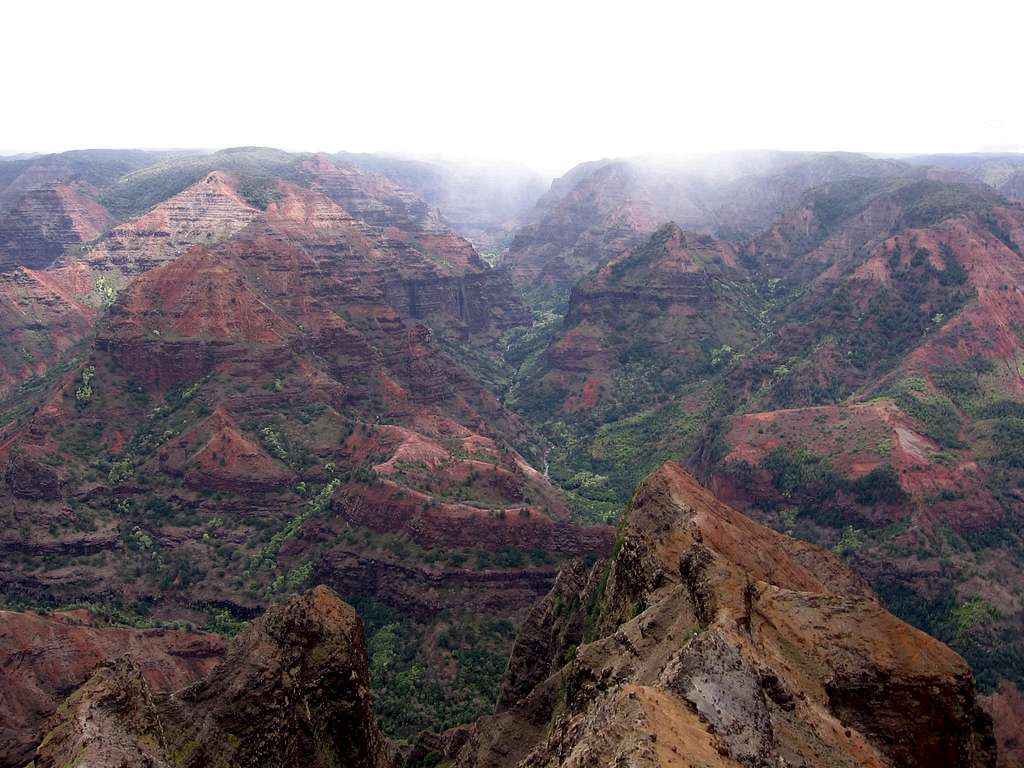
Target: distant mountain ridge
<point x="600" y="209"/>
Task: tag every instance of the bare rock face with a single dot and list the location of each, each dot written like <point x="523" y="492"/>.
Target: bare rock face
<point x="43" y="314"/>
<point x="293" y="690"/>
<point x="554" y="626"/>
<point x="710" y="640"/>
<point x="109" y="721"/>
<point x="1006" y="706"/>
<point x="44" y="657"/>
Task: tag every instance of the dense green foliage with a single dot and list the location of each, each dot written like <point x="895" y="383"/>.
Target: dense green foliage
<point x="811" y="482"/>
<point x="1009" y="441"/>
<point x="938" y="416"/>
<point x="433" y="676"/>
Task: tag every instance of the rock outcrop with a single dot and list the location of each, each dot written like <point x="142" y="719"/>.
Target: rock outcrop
<point x="1006" y="706"/>
<point x="552" y="630"/>
<point x="30" y="479"/>
<point x="44" y="657"/>
<point x="293" y="690"/>
<point x="109" y="721"/>
<point x="710" y="640"/>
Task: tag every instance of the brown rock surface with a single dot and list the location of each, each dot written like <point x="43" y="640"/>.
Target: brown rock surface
<point x="44" y="657"/>
<point x="713" y="641"/>
<point x="109" y="721"/>
<point x="43" y="315"/>
<point x="1006" y="706"/>
<point x="293" y="690"/>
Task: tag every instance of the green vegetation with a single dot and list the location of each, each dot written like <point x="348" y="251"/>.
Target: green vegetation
<point x="272" y="442"/>
<point x="970" y="614"/>
<point x="224" y="623"/>
<point x="838" y="202"/>
<point x="928" y="202"/>
<point x="880" y="486"/>
<point x="412" y="691"/>
<point x="105" y="291"/>
<point x="937" y="415"/>
<point x="252" y="166"/>
<point x="84" y="393"/>
<point x="1008" y="439"/>
<point x="992" y="649"/>
<point x="317" y="506"/>
<point x="661" y="389"/>
<point x="821" y="493"/>
<point x="851" y="541"/>
<point x="802" y="474"/>
<point x="259" y="191"/>
<point x="920" y="298"/>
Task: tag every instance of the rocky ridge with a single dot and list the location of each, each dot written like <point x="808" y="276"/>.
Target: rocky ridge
<point x="44" y="657"/>
<point x="293" y="690"/>
<point x="710" y="640"/>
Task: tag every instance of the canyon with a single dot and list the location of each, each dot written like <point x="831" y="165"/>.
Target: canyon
<point x="230" y="376"/>
<point x="706" y="639"/>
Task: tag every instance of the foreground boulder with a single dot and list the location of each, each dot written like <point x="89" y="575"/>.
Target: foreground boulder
<point x="710" y="640"/>
<point x="293" y="690"/>
<point x="43" y="657"/>
<point x="109" y="721"/>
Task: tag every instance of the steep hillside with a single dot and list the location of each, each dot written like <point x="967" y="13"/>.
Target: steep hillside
<point x="45" y="221"/>
<point x="424" y="271"/>
<point x="205" y="213"/>
<point x="897" y="372"/>
<point x="640" y="332"/>
<point x="232" y="375"/>
<point x="91" y="169"/>
<point x="603" y="214"/>
<point x="711" y="640"/>
<point x="48" y="311"/>
<point x="1004" y="172"/>
<point x="870" y="403"/>
<point x="854" y="287"/>
<point x="706" y="639"/>
<point x="43" y="315"/>
<point x="256" y="168"/>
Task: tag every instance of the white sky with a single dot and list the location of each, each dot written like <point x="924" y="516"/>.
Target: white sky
<point x="548" y="83"/>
